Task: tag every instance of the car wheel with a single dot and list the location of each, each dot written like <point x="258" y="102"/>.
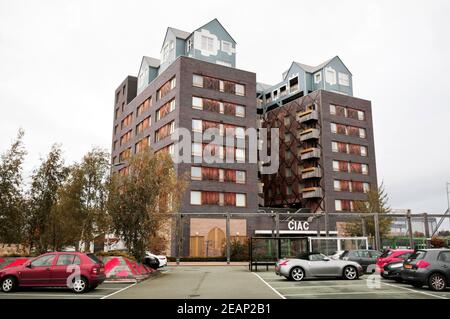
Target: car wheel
<point x="297" y="274"/>
<point x="350" y="273"/>
<point x="9" y="284"/>
<point x="437" y="282"/>
<point x="80" y="285"/>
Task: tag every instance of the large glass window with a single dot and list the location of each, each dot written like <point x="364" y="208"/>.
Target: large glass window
<point x="197" y="80"/>
<point x="207" y="43"/>
<point x="344" y="79"/>
<point x="240" y="177"/>
<point x="196" y="198"/>
<point x="196" y="173"/>
<point x="240" y="132"/>
<point x="197" y="125"/>
<point x="197" y="103"/>
<point x="240" y="89"/>
<point x="197" y="149"/>
<point x="240" y="111"/>
<point x="240" y="155"/>
<point x="241" y="200"/>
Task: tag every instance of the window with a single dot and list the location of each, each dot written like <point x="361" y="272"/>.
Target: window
<point x="189" y="45"/>
<point x="334" y="146"/>
<point x="344" y="79"/>
<point x="336" y="166"/>
<point x="43" y="261"/>
<point x="196" y="198"/>
<point x="332" y="109"/>
<point x="361" y="115"/>
<point x="330" y="75"/>
<point x="65" y="260"/>
<point x="365" y="169"/>
<point x="363" y="151"/>
<point x="221" y="175"/>
<point x="197" y="103"/>
<point x="196" y="173"/>
<point x="240" y="111"/>
<point x="240" y="132"/>
<point x="240" y="177"/>
<point x="207" y="43"/>
<point x="197" y="80"/>
<point x="221" y="199"/>
<point x="240" y="89"/>
<point x="240" y="200"/>
<point x="317" y="77"/>
<point x="333" y="128"/>
<point x="366" y="187"/>
<point x="143" y="125"/>
<point x="362" y="133"/>
<point x="337" y="205"/>
<point x="337" y="185"/>
<point x="197" y="149"/>
<point x="197" y="125"/>
<point x="240" y="155"/>
<point x="287" y="121"/>
<point x="227" y="47"/>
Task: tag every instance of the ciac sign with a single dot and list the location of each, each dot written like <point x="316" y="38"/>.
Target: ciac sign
<point x="298" y="225"/>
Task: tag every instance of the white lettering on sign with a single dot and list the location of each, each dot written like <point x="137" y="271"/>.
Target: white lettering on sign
<point x="298" y="225"/>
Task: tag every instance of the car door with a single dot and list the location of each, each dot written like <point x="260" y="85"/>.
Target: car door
<point x="364" y="258"/>
<point x="444" y="263"/>
<point x="64" y="267"/>
<point x="39" y="272"/>
<point x="321" y="266"/>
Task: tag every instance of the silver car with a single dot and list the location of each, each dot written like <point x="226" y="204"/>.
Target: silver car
<point x="314" y="265"/>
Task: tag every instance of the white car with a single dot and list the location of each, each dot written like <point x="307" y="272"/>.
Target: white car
<point x="162" y="259"/>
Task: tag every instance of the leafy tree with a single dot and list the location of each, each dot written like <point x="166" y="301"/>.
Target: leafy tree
<point x="140" y="202"/>
<point x="377" y="202"/>
<point x="11" y="192"/>
<point x="45" y="183"/>
<point x="437" y="242"/>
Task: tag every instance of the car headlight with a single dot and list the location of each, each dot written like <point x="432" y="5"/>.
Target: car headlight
<point x="394" y="266"/>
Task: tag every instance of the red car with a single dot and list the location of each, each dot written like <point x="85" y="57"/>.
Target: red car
<point x="74" y="270"/>
<point x="393" y="255"/>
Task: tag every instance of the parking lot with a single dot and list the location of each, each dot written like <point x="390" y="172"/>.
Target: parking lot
<point x="236" y="282"/>
<point x="367" y="287"/>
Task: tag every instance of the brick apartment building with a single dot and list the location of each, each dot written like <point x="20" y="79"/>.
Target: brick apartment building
<point x="327" y="157"/>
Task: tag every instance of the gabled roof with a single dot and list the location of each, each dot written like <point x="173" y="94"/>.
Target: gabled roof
<point x="154" y="63"/>
<point x="313" y="69"/>
<point x="262" y="86"/>
<point x="215" y="19"/>
<point x="180" y="34"/>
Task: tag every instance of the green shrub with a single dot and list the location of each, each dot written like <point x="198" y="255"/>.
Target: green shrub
<point x="115" y="253"/>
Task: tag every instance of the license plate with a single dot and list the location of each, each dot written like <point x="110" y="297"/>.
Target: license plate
<point x="408" y="266"/>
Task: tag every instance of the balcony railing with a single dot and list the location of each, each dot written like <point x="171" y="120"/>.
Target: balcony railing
<point x="312" y="152"/>
<point x="312" y="192"/>
<point x="311" y="172"/>
<point x="310" y="115"/>
<point x="312" y="133"/>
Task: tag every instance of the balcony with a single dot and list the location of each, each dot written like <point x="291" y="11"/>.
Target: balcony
<point x="312" y="133"/>
<point x="310" y="115"/>
<point x="312" y="152"/>
<point x="311" y="172"/>
<point x="312" y="192"/>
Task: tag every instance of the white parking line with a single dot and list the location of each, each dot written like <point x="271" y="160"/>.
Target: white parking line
<point x="416" y="291"/>
<point x="273" y="289"/>
<point x="329" y="286"/>
<point x="116" y="292"/>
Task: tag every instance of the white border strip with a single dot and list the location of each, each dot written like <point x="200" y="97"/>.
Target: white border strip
<point x="273" y="289"/>
<point x="416" y="291"/>
<point x="116" y="292"/>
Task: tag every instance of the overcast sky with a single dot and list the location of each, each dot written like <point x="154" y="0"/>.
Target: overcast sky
<point x="60" y="62"/>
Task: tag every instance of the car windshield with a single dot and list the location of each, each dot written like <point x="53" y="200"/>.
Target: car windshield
<point x="386" y="254"/>
<point x="94" y="258"/>
<point x="417" y="255"/>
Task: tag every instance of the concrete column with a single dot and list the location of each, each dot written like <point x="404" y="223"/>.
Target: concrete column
<point x="377" y="231"/>
<point x="410" y="232"/>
